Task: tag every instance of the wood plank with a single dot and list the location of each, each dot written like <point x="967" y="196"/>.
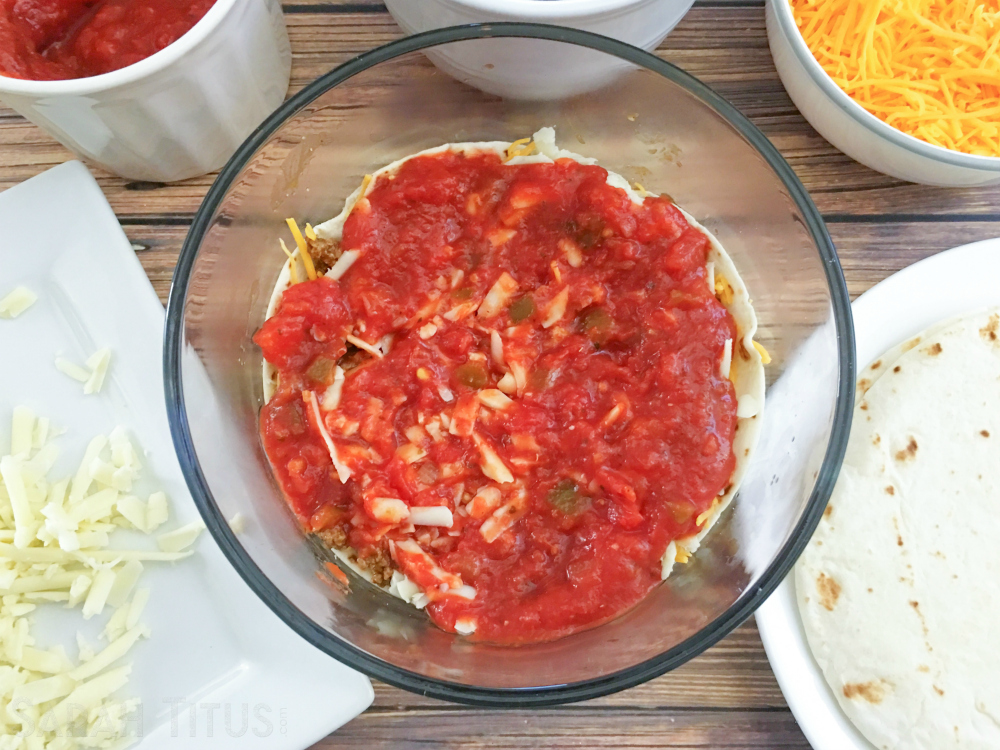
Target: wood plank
<point x="734" y="674"/>
<point x="456" y="728"/>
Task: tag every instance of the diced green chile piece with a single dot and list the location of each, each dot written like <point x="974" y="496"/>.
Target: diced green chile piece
<point x="473" y="374"/>
<point x="522" y="309"/>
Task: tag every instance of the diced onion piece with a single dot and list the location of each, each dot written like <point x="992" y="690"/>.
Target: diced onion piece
<point x="98" y="363"/>
<point x="426" y="331"/>
<point x="17" y="302"/>
<point x="410" y="453"/>
<point x="572" y="251"/>
<point x="182" y="538"/>
<point x="727" y="359"/>
<point x="520" y="376"/>
<point x="237" y="523"/>
<point x="437" y="515"/>
<point x="710" y="275"/>
<point x="492" y="466"/>
<point x="496" y="348"/>
<point x="388" y="510"/>
<point x="465" y="626"/>
<point x="342" y="471"/>
<point x="72" y="369"/>
<point x="556" y="308"/>
<point x="494" y="398"/>
<point x="345" y="261"/>
<point x="507" y="384"/>
<point x="498" y="296"/>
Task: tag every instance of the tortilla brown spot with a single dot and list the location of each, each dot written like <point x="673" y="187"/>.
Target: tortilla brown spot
<point x="899" y="540"/>
<point x="864" y="384"/>
<point x="863" y="406"/>
<point x="876" y="364"/>
<point x="877" y="440"/>
<point x="828" y="511"/>
<point x="911" y="343"/>
<point x="909" y="451"/>
<point x="984" y="433"/>
<point x="934" y="349"/>
<point x="937" y="690"/>
<point x="890" y="490"/>
<point x="923" y="668"/>
<point x="872" y="692"/>
<point x="829" y="591"/>
<point x="897" y="368"/>
<point x="989" y="331"/>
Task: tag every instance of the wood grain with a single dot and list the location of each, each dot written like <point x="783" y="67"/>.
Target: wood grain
<point x="727" y="697"/>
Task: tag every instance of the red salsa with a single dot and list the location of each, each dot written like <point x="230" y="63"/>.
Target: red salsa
<point x="61" y="39"/>
<point x="518" y="379"/>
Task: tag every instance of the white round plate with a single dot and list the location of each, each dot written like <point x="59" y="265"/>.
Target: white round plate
<point x="950" y="283"/>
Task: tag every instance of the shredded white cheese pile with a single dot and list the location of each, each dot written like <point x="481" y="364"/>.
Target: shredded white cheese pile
<point x="54" y="547"/>
<point x="92" y="376"/>
<point x="17" y="302"/>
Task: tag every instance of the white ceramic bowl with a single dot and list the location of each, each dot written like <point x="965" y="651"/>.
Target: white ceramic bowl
<point x="530" y="68"/>
<point x="180" y="112"/>
<point x="857" y="132"/>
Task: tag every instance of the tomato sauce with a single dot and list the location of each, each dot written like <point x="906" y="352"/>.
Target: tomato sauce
<point x="552" y="379"/>
<point x="62" y="39"/>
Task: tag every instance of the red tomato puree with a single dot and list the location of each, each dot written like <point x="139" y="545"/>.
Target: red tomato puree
<point x="60" y="39"/>
<point x="551" y="388"/>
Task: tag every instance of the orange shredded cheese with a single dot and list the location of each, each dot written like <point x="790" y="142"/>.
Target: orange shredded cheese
<point x="520" y="147"/>
<point x="303" y="248"/>
<point x="929" y="68"/>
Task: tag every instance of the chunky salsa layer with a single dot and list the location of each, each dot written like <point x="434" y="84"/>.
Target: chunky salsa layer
<point x="514" y="395"/>
<point x="61" y="39"/>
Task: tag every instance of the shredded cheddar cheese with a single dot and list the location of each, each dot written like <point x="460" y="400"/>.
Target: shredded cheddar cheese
<point x="765" y="356"/>
<point x="929" y="68"/>
<point x="520" y="147"/>
<point x="303" y="248"/>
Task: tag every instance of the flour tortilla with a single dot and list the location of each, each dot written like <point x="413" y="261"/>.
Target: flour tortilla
<point x="747" y="368"/>
<point x="899" y="589"/>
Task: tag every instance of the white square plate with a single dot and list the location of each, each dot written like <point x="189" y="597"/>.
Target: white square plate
<point x="220" y="670"/>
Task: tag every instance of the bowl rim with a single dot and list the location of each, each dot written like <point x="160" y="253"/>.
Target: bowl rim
<point x="354" y="657"/>
<point x="783" y="14"/>
<point x="532" y="10"/>
<point x="137" y="71"/>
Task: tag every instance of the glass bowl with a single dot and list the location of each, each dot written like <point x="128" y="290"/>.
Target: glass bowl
<point x="655" y="125"/>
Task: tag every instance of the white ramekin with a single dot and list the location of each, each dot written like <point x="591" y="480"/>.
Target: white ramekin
<point x="854" y="130"/>
<point x="180" y="112"/>
<point x="528" y="68"/>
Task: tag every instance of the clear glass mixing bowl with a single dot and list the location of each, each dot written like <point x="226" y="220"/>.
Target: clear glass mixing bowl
<point x="655" y="125"/>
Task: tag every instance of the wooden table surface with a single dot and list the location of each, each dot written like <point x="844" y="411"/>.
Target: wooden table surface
<point x="726" y="698"/>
